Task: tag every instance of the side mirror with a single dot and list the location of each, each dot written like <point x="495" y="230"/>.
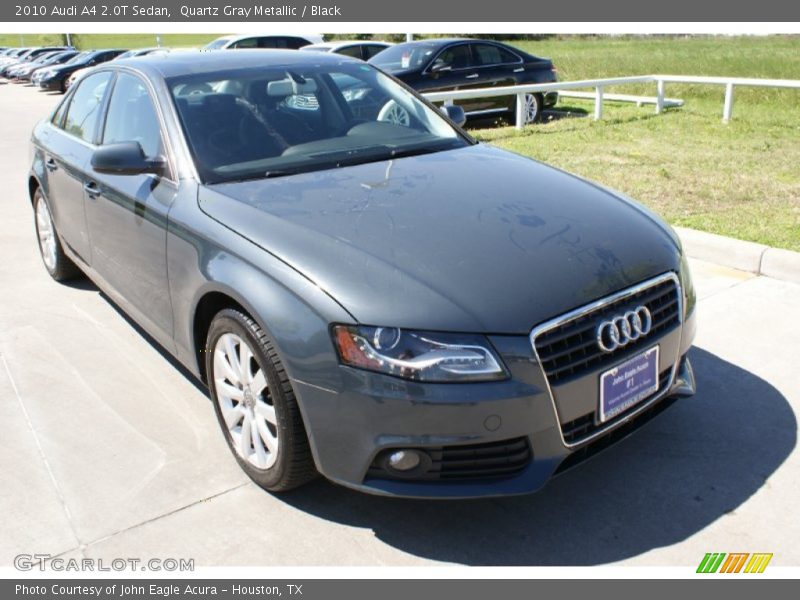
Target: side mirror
<point x="455" y="114"/>
<point x="125" y="158"/>
<point x="441" y="67"/>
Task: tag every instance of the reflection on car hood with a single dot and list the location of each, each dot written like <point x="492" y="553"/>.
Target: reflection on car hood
<point x="474" y="239"/>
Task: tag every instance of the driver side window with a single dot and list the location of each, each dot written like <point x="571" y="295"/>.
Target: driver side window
<point x="132" y="116"/>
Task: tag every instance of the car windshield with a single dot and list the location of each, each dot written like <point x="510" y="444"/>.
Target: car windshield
<point x="83" y="59"/>
<point x="216" y="44"/>
<point x="78" y="58"/>
<point x="270" y="122"/>
<point x="413" y="55"/>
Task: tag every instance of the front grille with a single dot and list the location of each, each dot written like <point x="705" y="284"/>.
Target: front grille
<point x="468" y="462"/>
<point x="578" y="429"/>
<point x="569" y="350"/>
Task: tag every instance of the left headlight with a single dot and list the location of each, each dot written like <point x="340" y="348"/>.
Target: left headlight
<point x="418" y="355"/>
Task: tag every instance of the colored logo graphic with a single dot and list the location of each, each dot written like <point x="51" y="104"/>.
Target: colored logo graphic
<point x="734" y="562"/>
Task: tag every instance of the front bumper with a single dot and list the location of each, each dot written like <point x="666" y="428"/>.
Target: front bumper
<point x="352" y="427"/>
<point x="50" y="85"/>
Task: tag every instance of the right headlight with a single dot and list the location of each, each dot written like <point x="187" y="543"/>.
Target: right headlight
<point x="689" y="295"/>
<point x="418" y="355"/>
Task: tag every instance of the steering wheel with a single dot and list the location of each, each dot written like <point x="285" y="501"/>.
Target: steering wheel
<point x="393" y="113"/>
<point x="195" y="89"/>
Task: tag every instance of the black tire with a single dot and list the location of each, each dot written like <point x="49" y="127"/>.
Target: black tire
<point x="294" y="464"/>
<point x="62" y="269"/>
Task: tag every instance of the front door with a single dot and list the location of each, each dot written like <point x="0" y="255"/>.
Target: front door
<point x="127" y="214"/>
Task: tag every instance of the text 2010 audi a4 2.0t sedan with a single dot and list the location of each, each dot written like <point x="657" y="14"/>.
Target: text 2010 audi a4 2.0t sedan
<point x="389" y="304"/>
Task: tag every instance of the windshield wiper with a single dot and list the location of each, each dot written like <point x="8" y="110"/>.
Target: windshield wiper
<point x="280" y="173"/>
<point x="401" y="152"/>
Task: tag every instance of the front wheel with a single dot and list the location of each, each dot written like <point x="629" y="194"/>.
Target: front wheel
<point x="57" y="263"/>
<point x="255" y="404"/>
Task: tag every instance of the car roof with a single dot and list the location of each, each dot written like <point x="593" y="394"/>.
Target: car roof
<point x="442" y="41"/>
<point x="244" y="36"/>
<point x="341" y="43"/>
<point x="175" y="64"/>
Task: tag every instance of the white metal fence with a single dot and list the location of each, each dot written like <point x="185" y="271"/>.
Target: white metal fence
<point x="659" y="100"/>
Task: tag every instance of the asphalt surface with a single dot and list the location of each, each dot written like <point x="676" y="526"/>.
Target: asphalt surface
<point x="110" y="450"/>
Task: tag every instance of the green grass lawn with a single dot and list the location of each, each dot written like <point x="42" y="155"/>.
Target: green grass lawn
<point x="741" y="179"/>
<point x="84" y="41"/>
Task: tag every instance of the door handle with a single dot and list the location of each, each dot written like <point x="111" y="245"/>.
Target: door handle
<point x="520" y="70"/>
<point x="50" y="164"/>
<point x="91" y="189"/>
<point x="473" y="76"/>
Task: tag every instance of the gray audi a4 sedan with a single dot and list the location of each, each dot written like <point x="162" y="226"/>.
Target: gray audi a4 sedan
<point x="367" y="292"/>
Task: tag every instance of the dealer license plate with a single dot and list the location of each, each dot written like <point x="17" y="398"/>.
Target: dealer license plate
<point x="627" y="384"/>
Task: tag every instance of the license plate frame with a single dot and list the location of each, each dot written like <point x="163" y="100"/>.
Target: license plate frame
<point x="627" y="384"/>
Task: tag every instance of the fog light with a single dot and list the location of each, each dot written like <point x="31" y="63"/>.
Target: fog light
<point x="404" y="460"/>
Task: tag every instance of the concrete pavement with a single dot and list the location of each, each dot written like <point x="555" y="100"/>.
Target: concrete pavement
<point x="110" y="450"/>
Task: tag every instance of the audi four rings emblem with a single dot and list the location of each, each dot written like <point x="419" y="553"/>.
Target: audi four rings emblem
<point x="624" y="329"/>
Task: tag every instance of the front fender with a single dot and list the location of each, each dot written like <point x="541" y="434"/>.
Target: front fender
<point x="204" y="257"/>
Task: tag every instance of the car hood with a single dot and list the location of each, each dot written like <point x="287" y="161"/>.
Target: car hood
<point x="475" y="239"/>
<point x="65" y="68"/>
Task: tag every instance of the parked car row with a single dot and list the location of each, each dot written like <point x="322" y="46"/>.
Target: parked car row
<point x="433" y="65"/>
<point x="50" y="68"/>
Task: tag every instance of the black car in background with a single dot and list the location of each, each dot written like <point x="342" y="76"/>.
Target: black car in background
<point x="29" y="55"/>
<point x="24" y="73"/>
<point x="55" y="78"/>
<point x="440" y="65"/>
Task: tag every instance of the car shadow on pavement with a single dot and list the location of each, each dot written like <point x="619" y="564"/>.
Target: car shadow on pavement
<point x="84" y="283"/>
<point x="695" y="463"/>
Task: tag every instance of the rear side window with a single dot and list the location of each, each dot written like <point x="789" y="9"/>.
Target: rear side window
<point x="295" y="43"/>
<point x="372" y="50"/>
<point x="84" y="107"/>
<point x="58" y="117"/>
<point x="354" y="51"/>
<point x="489" y="54"/>
<point x="132" y="116"/>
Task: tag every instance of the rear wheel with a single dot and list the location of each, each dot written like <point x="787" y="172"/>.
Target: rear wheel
<point x="255" y="404"/>
<point x="55" y="260"/>
<point x="532" y="109"/>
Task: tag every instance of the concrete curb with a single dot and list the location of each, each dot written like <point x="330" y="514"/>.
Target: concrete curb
<point x="739" y="254"/>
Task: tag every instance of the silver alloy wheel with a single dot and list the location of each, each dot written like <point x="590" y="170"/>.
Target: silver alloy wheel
<point x="245" y="402"/>
<point x="531" y="108"/>
<point x="47" y="234"/>
<point x="393" y="113"/>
